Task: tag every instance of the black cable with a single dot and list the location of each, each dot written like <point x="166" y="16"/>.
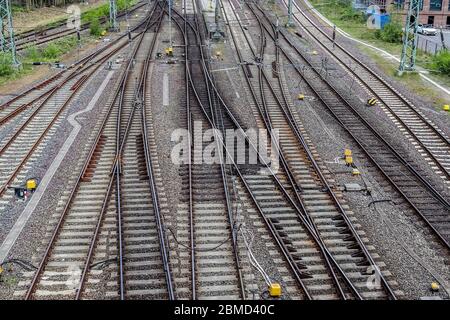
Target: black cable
<point x="28" y="266"/>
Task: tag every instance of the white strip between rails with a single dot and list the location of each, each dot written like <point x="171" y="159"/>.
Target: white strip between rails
<point x="21" y="221"/>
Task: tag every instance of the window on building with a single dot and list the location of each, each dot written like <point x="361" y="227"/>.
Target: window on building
<point x="435" y="5"/>
<point x="448" y="21"/>
<point x="430" y="20"/>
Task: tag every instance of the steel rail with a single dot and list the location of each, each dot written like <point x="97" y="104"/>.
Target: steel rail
<point x="303" y="211"/>
<point x="289" y="259"/>
<point x="190" y="144"/>
<point x="80" y="64"/>
<point x="288" y="256"/>
<point x="377" y="136"/>
<point x="195" y="30"/>
<point x="293" y="124"/>
<point x="74" y="190"/>
<point x="386" y="85"/>
<point x="22" y="43"/>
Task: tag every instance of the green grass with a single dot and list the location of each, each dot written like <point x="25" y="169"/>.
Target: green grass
<point x="412" y="80"/>
<point x="50" y="53"/>
<point x="54" y="50"/>
<point x="345" y="17"/>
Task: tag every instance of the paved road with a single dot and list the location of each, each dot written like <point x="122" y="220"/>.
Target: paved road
<point x="430" y="43"/>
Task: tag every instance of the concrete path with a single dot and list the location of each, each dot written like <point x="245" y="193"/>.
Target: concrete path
<point x="21" y="221"/>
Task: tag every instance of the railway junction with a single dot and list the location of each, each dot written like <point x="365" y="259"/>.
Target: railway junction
<point x="221" y="150"/>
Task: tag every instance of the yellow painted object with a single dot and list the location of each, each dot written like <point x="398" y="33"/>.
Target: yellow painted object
<point x="169" y="51"/>
<point x="446" y="107"/>
<point x="355" y="172"/>
<point x="349" y="160"/>
<point x="103" y="33"/>
<point x="301" y="96"/>
<point x="347" y="152"/>
<point x="31" y="184"/>
<point x="314" y="53"/>
<point x="435" y="286"/>
<point x="275" y="290"/>
<point x="372" y="101"/>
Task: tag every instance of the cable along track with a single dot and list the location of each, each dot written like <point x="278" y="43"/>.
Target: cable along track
<point x="423" y="198"/>
<point x="430" y="141"/>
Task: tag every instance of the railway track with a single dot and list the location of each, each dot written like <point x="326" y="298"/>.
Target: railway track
<point x="424" y="199"/>
<point x="23" y="100"/>
<point x="111" y="215"/>
<point x="211" y="269"/>
<point x="39" y="37"/>
<point x="430" y="141"/>
<point x="29" y="122"/>
<point x="338" y="269"/>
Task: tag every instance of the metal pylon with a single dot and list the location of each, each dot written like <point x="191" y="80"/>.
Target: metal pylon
<point x="409" y="50"/>
<point x="113" y="15"/>
<point x="7" y="43"/>
<point x="289" y="22"/>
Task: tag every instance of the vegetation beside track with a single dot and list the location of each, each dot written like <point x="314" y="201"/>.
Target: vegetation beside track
<point x="389" y="39"/>
<point x="49" y="53"/>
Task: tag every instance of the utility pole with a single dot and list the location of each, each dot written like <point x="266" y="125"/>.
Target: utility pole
<point x="217" y="32"/>
<point x="409" y="50"/>
<point x="7" y="43"/>
<point x="113" y="16"/>
<point x="170" y="23"/>
<point x="289" y="22"/>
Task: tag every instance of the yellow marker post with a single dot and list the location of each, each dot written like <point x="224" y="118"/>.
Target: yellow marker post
<point x="275" y="290"/>
<point x="446" y="107"/>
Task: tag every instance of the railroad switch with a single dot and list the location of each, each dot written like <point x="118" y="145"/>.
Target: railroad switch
<point x="434" y="286"/>
<point x="446" y="107"/>
<point x="371" y="102"/>
<point x="275" y="290"/>
<point x="301" y="96"/>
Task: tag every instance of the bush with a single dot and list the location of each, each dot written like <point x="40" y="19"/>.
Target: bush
<point x="350" y="14"/>
<point x="51" y="51"/>
<point x="441" y="62"/>
<point x="392" y="32"/>
<point x="6" y="68"/>
<point x="95" y="28"/>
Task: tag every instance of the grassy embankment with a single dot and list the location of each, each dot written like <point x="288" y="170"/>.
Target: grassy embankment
<point x="353" y="22"/>
<point x="54" y="50"/>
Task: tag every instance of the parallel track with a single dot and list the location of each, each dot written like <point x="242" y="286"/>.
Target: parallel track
<point x="39" y="37"/>
<point x="427" y="137"/>
<point x="206" y="222"/>
<point x="323" y="216"/>
<point x="113" y="208"/>
<point x="423" y="197"/>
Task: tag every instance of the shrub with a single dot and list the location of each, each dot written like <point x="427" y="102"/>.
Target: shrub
<point x="95" y="28"/>
<point x="51" y="51"/>
<point x="6" y="67"/>
<point x="441" y="62"/>
<point x="392" y="32"/>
